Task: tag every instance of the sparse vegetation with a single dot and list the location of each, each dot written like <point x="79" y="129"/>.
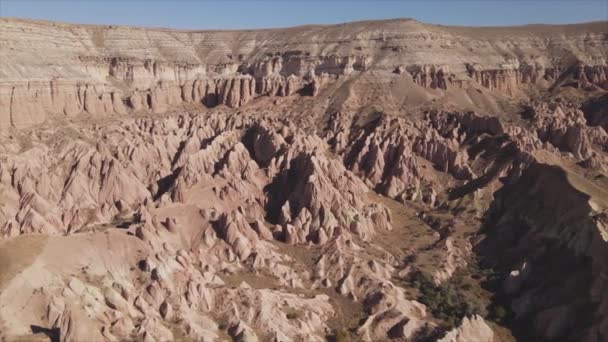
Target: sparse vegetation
<point x="341" y="335"/>
<point x="498" y="313"/>
<point x="448" y="301"/>
<point x="292" y="314"/>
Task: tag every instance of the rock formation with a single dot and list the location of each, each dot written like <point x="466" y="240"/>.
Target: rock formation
<point x="107" y="70"/>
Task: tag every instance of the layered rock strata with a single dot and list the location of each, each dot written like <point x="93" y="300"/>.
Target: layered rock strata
<point x="102" y="70"/>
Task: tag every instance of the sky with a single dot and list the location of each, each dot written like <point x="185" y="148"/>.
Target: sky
<point x="233" y="14"/>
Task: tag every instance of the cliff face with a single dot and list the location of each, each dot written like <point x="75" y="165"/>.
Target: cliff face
<point x="546" y="233"/>
<point x="53" y="69"/>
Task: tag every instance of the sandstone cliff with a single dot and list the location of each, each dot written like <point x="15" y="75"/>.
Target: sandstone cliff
<point x="51" y="69"/>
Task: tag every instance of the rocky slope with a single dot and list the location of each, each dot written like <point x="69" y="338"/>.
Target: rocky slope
<point x="304" y="184"/>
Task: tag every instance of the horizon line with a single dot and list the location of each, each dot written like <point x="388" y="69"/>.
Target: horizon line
<point x="165" y="28"/>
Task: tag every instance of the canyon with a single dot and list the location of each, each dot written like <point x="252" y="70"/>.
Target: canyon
<point x="377" y="180"/>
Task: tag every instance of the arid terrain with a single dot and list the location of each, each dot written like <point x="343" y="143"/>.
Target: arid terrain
<point x="369" y="181"/>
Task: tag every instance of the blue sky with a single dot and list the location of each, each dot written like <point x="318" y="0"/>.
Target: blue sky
<point x="207" y="14"/>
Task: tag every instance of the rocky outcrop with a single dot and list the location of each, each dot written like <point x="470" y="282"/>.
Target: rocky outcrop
<point x="193" y="192"/>
<point x="393" y="155"/>
<point x="111" y="69"/>
<point x="431" y="76"/>
<point x="98" y="184"/>
<point x="471" y="329"/>
<point x="566" y="127"/>
<point x="509" y="78"/>
<point x="514" y="76"/>
<point x="391" y="313"/>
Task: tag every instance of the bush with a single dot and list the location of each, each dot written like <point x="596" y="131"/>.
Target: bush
<point x="498" y="313"/>
<point x="342" y="336"/>
<point x="447" y="301"/>
<point x="467" y="287"/>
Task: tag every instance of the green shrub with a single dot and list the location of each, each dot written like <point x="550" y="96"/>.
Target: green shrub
<point x="467" y="287"/>
<point x="498" y="313"/>
<point x="342" y="336"/>
<point x="447" y="301"/>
